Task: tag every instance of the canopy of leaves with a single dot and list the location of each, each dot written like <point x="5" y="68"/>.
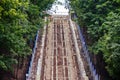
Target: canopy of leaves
<point x="102" y="20"/>
<point x="19" y="22"/>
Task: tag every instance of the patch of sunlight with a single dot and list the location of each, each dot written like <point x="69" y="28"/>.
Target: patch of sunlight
<point x="59" y="9"/>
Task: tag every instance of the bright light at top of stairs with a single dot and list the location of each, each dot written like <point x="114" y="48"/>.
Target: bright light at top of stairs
<point x="58" y="9"/>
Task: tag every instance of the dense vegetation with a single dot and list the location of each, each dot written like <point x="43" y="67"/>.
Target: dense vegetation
<point x="101" y="19"/>
<point x="19" y="22"/>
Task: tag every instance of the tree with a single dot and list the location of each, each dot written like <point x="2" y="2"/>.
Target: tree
<point x="109" y="44"/>
<point x="19" y="22"/>
<point x="100" y="19"/>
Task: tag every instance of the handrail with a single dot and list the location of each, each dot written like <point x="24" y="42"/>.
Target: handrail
<point x="40" y="60"/>
<point x="28" y="74"/>
<point x="93" y="71"/>
<point x="79" y="59"/>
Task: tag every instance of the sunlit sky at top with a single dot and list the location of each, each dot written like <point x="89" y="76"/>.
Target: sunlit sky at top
<point x="58" y="9"/>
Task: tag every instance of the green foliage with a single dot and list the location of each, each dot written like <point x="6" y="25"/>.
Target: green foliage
<point x="19" y="22"/>
<point x="43" y="4"/>
<point x="12" y="28"/>
<point x="102" y="20"/>
<point x="109" y="44"/>
<point x="6" y="62"/>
